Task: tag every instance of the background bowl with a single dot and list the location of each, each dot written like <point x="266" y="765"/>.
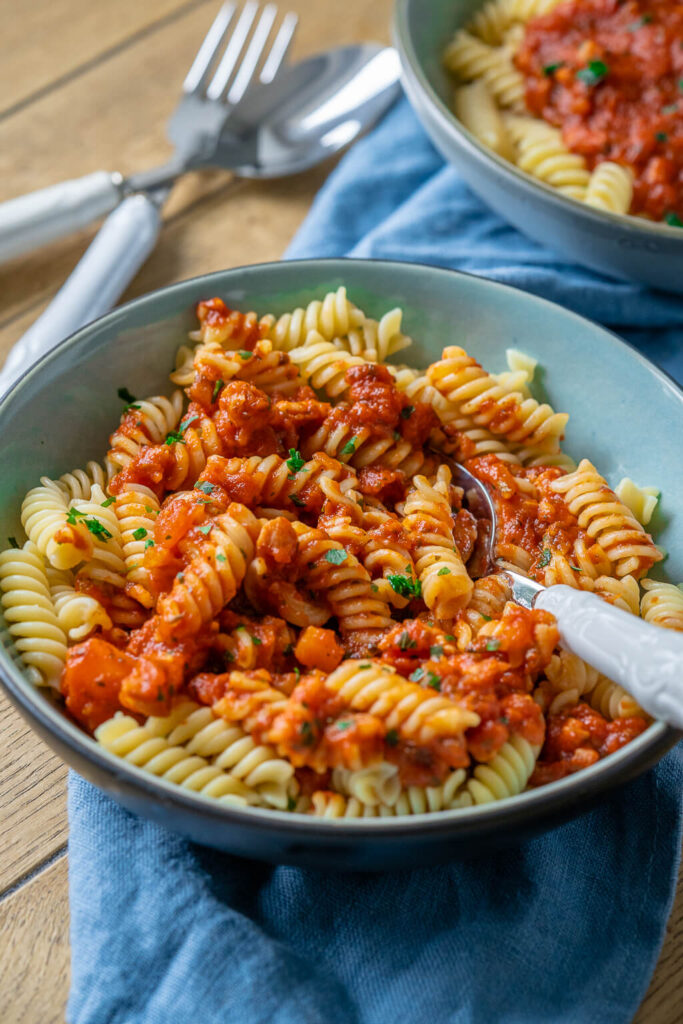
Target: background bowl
<point x="625" y="247"/>
<point x="626" y="415"/>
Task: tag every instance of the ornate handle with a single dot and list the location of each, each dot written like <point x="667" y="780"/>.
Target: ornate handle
<point x="645" y="660"/>
<point x="119" y="249"/>
<point x="40" y="217"/>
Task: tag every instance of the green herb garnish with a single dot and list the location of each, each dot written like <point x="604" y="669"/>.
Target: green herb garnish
<point x="550" y="69"/>
<point x="444" y="571"/>
<point x="416" y="676"/>
<point x="673" y="220"/>
<point x="545" y="558"/>
<point x="336" y="556"/>
<point x="205" y="487"/>
<point x="107" y="502"/>
<point x="349" y="448"/>
<point x="174" y="438"/>
<point x="405" y="641"/>
<point x="661" y="137"/>
<point x="405" y="586"/>
<point x="149" y="543"/>
<point x="392" y="738"/>
<point x="434" y="681"/>
<point x="295" y="462"/>
<point x="206" y="529"/>
<point x="407" y="412"/>
<point x="12" y="541"/>
<point x="594" y="73"/>
<point x="220" y="557"/>
<point x="244" y="353"/>
<point x="140" y="533"/>
<point x="492" y="644"/>
<point x="296" y="500"/>
<point x="216" y="389"/>
<point x="436" y="652"/>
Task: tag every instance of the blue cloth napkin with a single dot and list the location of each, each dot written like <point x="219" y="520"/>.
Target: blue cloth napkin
<point x="564" y="929"/>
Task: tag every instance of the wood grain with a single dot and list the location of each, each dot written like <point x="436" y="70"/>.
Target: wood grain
<point x="34" y="949"/>
<point x="87" y="84"/>
<point x="32" y="799"/>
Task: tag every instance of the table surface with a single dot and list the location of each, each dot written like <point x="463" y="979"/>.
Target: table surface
<point x="85" y="85"/>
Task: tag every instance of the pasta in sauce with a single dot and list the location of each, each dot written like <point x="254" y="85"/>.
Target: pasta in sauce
<point x="266" y="595"/>
<point x="586" y="95"/>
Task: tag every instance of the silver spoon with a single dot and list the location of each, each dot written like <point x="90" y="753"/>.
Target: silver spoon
<point x="318" y="107"/>
<point x="645" y="659"/>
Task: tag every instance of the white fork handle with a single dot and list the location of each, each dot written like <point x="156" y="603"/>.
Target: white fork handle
<point x="645" y="659"/>
<point x="40" y="217"/>
<point x="119" y="249"/>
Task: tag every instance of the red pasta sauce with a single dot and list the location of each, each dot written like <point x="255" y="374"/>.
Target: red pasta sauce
<point x="610" y="75"/>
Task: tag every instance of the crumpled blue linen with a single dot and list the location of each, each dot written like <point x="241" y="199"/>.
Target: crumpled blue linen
<point x="563" y="929"/>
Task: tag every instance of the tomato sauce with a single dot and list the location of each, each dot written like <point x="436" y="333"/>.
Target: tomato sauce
<point x="610" y="75"/>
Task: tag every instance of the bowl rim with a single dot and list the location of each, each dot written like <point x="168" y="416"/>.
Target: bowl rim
<point x="532" y="805"/>
<point x="462" y="137"/>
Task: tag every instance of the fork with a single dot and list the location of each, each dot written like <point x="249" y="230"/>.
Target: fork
<point x="201" y="115"/>
<point x="129" y="234"/>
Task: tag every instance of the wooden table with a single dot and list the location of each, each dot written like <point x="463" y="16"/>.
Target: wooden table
<point x="85" y="85"/>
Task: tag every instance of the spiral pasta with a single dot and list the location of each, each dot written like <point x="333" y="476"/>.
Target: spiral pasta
<point x="505" y="776"/>
<point x="30" y="615"/>
<point x="213" y="575"/>
<point x="139" y="746"/>
<point x="224" y="575"/>
<point x="469" y="58"/>
<point x="416" y="713"/>
<point x="662" y="604"/>
<point x="610" y="188"/>
<point x="541" y="152"/>
<point x="495" y="18"/>
<point x="446" y="586"/>
<point x="606" y="519"/>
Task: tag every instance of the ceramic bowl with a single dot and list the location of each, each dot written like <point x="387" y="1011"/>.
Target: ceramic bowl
<point x="625" y="415"/>
<point x="616" y="245"/>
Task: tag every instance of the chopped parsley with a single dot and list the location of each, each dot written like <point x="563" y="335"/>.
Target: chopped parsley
<point x="545" y="558"/>
<point x="97" y="529"/>
<point x="149" y="543"/>
<point x="450" y="637"/>
<point x="444" y="571"/>
<point x="297" y="672"/>
<point x="405" y="586"/>
<point x="336" y="556"/>
<point x="594" y="73"/>
<point x="366" y="664"/>
<point x="661" y="137"/>
<point x="405" y="641"/>
<point x="374" y="588"/>
<point x="256" y="640"/>
<point x="343" y="725"/>
<point x="72" y="515"/>
<point x="107" y="502"/>
<point x="486" y="618"/>
<point x="205" y="487"/>
<point x="140" y="533"/>
<point x="306" y="733"/>
<point x="180" y="577"/>
<point x="186" y="422"/>
<point x="407" y="412"/>
<point x="673" y="220"/>
<point x="291" y="803"/>
<point x="206" y="529"/>
<point x="130" y="400"/>
<point x="492" y="644"/>
<point x="392" y="737"/>
<point x="550" y="69"/>
<point x="296" y="500"/>
<point x="295" y="462"/>
<point x="220" y="557"/>
<point x="349" y="448"/>
<point x="416" y="676"/>
<point x="216" y="389"/>
<point x="244" y="353"/>
<point x="12" y="541"/>
<point x="434" y="681"/>
<point x="436" y="652"/>
<point x="174" y="438"/>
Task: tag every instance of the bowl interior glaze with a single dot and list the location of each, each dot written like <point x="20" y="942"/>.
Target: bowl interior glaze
<point x="625" y="415"/>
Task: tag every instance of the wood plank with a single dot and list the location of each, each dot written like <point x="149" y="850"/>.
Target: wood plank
<point x="87" y="32"/>
<point x="115" y="113"/>
<point x="34" y="952"/>
<point x="663" y="1003"/>
<point x="32" y="798"/>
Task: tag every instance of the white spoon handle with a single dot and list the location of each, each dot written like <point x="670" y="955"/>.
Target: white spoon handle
<point x="112" y="260"/>
<point x="645" y="659"/>
<point x="40" y="217"/>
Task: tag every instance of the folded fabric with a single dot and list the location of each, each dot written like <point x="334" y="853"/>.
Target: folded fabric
<point x="564" y="929"/>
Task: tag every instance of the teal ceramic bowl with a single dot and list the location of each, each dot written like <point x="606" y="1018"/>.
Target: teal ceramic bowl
<point x="620" y="246"/>
<point x="625" y="414"/>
